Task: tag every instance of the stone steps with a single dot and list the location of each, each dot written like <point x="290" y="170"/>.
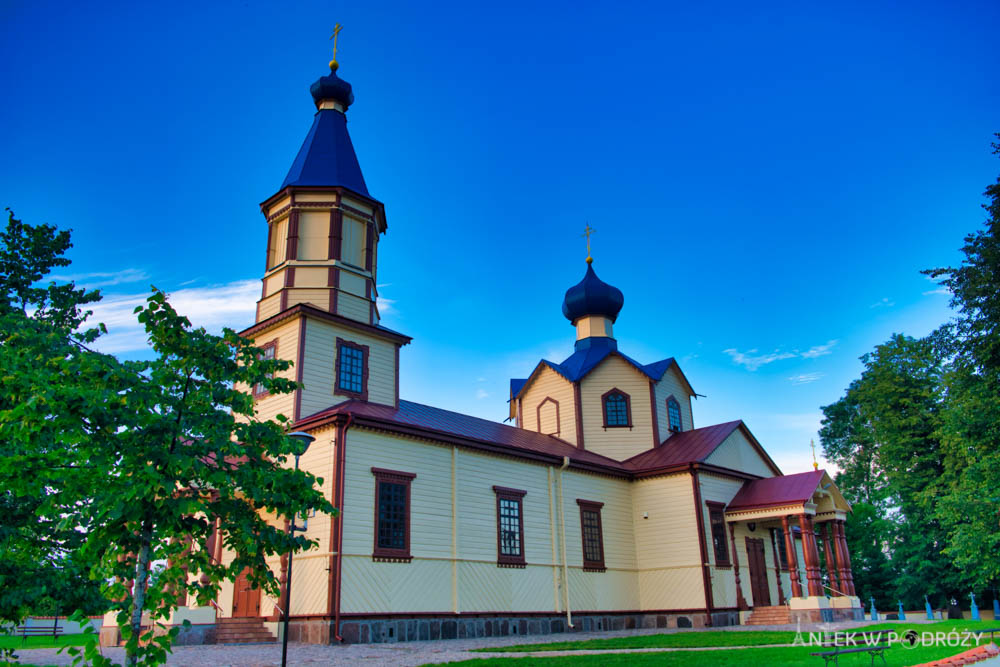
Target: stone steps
<point x="778" y="615"/>
<point x="242" y="631"/>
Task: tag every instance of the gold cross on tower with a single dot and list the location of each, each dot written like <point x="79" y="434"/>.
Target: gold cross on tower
<point x="333" y="63"/>
<point x="812" y="444"/>
<point x="587" y="232"/>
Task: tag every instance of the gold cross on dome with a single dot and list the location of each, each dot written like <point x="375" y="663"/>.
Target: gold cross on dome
<point x="336" y="31"/>
<point x="586" y="233"/>
<point x="812" y="444"/>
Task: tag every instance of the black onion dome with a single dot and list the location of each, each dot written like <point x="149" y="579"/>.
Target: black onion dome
<point x="332" y="87"/>
<point x="592" y="296"/>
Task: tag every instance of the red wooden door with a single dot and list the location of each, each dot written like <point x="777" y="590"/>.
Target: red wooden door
<point x="246" y="598"/>
<point x="758" y="573"/>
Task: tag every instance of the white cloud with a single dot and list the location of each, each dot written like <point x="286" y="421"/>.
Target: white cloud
<point x="384" y="305"/>
<point x="819" y="350"/>
<point x="805" y="378"/>
<point x="753" y="361"/>
<point x="884" y="302"/>
<point x="213" y="307"/>
<point x="94" y="280"/>
<point x="481" y="394"/>
<point x="939" y="290"/>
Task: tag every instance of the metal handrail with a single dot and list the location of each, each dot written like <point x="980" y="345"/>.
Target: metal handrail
<point x="831" y="588"/>
<point x="216" y="605"/>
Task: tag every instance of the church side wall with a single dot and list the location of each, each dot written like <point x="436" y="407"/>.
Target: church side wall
<point x="435" y="581"/>
<point x="720" y="489"/>
<point x="736" y="453"/>
<point x="668" y="558"/>
<point x="550" y="384"/>
<point x="320" y="360"/>
<point x="672" y="384"/>
<point x="616" y="443"/>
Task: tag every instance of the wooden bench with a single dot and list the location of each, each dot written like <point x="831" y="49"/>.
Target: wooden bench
<point x="37" y="631"/>
<point x="842" y="643"/>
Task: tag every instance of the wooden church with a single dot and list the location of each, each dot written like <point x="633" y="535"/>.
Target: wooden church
<point x="604" y="505"/>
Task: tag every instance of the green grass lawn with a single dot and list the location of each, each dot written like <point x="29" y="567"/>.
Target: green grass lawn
<point x="15" y="642"/>
<point x="692" y="639"/>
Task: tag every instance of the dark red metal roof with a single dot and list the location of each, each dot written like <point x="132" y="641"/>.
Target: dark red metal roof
<point x="436" y="421"/>
<point x="774" y="491"/>
<point x="692" y="446"/>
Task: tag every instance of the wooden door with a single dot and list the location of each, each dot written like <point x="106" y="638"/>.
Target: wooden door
<point x="246" y="598"/>
<point x="758" y="573"/>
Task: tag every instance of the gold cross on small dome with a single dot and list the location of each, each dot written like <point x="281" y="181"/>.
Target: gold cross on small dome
<point x="587" y="232"/>
<point x="336" y="31"/>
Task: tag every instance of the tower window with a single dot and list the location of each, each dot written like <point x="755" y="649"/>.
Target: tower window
<point x="392" y="514"/>
<point x="510" y="527"/>
<point x="268" y="351"/>
<point x="616" y="406"/>
<point x="352" y="369"/>
<point x="593" y="535"/>
<point x="674" y="415"/>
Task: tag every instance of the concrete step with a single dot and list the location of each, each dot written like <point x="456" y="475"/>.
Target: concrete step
<point x="242" y="631"/>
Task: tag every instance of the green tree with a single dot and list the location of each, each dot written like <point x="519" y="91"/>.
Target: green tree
<point x="126" y="462"/>
<point x="40" y="569"/>
<point x="968" y="507"/>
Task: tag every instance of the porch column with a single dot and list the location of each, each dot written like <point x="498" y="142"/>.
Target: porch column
<point x="740" y="600"/>
<point x="831" y="565"/>
<point x="777" y="568"/>
<point x="811" y="555"/>
<point x="793" y="561"/>
<point x="847" y="576"/>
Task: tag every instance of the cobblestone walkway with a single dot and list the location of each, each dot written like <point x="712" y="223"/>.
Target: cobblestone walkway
<point x="406" y="654"/>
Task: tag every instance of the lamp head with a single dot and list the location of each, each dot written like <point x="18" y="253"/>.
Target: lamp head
<point x="302" y="441"/>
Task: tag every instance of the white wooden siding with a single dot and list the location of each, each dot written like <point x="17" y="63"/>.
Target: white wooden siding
<point x="616" y="443"/>
<point x="736" y="453"/>
<point x="320" y="358"/>
<point x="314" y="235"/>
<point x="549" y="384"/>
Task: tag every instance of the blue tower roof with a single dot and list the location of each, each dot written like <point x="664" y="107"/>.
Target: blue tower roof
<point x="327" y="155"/>
<point x="592" y="296"/>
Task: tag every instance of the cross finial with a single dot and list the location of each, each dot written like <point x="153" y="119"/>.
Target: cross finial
<point x="333" y="63"/>
<point x="812" y="444"/>
<point x="586" y="233"/>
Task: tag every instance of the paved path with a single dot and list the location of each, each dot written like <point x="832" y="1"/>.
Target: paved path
<point x="406" y="654"/>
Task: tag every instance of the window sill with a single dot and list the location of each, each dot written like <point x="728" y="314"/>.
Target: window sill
<point x="516" y="564"/>
<point x="594" y="568"/>
<point x="385" y="558"/>
<point x="724" y="566"/>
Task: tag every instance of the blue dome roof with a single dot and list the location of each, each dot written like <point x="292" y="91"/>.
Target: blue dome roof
<point x="332" y="87"/>
<point x="592" y="296"/>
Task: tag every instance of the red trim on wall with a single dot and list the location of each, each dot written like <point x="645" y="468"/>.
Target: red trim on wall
<point x="511" y="495"/>
<point x="382" y="475"/>
<point x="369" y="245"/>
<point x="628" y="408"/>
<point x="337" y="390"/>
<point x="721" y="509"/>
<point x="336" y="233"/>
<point x="300" y="356"/>
<point x="653" y="410"/>
<point x="706" y="578"/>
<point x="334" y="279"/>
<point x="538" y="415"/>
<point x="591" y="506"/>
<point x="292" y="244"/>
<point x="578" y="404"/>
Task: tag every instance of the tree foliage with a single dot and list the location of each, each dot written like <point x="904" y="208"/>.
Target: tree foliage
<point x="917" y="440"/>
<point x="143" y="461"/>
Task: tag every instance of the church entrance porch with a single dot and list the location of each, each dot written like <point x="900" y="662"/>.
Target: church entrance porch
<point x="246" y="598"/>
<point x="795" y="550"/>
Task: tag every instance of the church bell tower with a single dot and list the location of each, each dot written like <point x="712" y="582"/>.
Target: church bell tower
<point x="323" y="225"/>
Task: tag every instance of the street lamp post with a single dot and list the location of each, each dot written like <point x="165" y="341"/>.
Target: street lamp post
<point x="302" y="441"/>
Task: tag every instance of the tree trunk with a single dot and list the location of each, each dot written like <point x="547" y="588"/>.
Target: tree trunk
<point x="139" y="592"/>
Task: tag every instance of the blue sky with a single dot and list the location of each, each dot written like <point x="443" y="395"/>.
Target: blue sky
<point x="766" y="179"/>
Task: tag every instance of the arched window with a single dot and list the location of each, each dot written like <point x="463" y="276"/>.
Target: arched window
<point x="674" y="415"/>
<point x="617" y="409"/>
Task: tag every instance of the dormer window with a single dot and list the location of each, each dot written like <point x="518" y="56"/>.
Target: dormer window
<point x="674" y="415"/>
<point x="617" y="409"/>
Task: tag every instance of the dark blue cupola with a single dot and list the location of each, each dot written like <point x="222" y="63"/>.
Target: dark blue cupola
<point x="592" y="297"/>
<point x="327" y="157"/>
